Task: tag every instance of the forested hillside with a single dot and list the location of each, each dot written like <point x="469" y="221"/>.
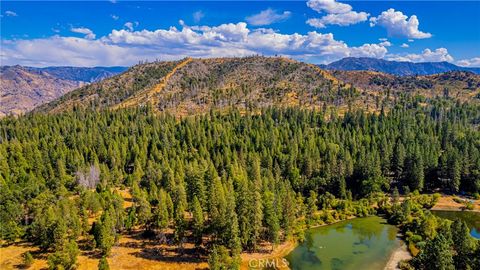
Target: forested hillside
<point x="225" y="181"/>
<point x="194" y="86"/>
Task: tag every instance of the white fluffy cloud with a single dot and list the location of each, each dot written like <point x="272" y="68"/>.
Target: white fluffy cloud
<point x="10" y="13"/>
<point x="83" y="30"/>
<point x="128" y="47"/>
<point x="338" y="14"/>
<point x="267" y="17"/>
<point x="343" y="19"/>
<point x="404" y="45"/>
<point x="328" y="6"/>
<point x="399" y="25"/>
<point x="369" y="50"/>
<point x="438" y="55"/>
<point x="472" y="62"/>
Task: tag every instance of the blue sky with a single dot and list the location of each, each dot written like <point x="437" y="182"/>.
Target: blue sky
<point x="104" y="33"/>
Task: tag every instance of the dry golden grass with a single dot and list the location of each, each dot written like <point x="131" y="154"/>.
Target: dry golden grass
<point x="147" y="95"/>
<point x="446" y="202"/>
<point x="131" y="252"/>
<point x="11" y="257"/>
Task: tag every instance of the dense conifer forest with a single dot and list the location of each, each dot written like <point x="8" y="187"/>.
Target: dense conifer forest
<point x="227" y="181"/>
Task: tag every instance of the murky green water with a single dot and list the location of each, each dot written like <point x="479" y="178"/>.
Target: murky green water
<point x="361" y="243"/>
<point x="471" y="218"/>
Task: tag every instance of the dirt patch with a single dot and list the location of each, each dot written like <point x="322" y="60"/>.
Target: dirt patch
<point x="265" y="251"/>
<point x="131" y="252"/>
<point x="11" y="257"/>
<point x="447" y="202"/>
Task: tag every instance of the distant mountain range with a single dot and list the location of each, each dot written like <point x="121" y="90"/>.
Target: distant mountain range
<point x="82" y="74"/>
<point x="24" y="88"/>
<point x="395" y="67"/>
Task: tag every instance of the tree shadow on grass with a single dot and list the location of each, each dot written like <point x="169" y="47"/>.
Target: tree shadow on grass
<point x="172" y="254"/>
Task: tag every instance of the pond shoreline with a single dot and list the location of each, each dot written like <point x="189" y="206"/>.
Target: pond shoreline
<point x="399" y="254"/>
<point x="393" y="254"/>
<point x="283" y="249"/>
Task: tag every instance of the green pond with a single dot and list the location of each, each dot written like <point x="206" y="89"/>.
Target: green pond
<point x="471" y="218"/>
<point x="361" y="243"/>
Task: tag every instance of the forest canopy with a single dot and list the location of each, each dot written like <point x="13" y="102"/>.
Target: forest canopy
<point x="242" y="178"/>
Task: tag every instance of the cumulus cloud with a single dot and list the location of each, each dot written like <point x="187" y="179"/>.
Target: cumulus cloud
<point x="328" y="6"/>
<point x="10" y="13"/>
<point x="114" y="17"/>
<point x="337" y="14"/>
<point x="404" y="45"/>
<point x="342" y="19"/>
<point x="267" y="17"/>
<point x="369" y="50"/>
<point x="127" y="47"/>
<point x="472" y="62"/>
<point x="399" y="25"/>
<point x="83" y="30"/>
<point x="198" y="15"/>
<point x="427" y="55"/>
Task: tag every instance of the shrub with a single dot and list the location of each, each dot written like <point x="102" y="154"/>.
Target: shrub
<point x="458" y="200"/>
<point x="415" y="238"/>
<point x="65" y="258"/>
<point x="103" y="264"/>
<point x="27" y="259"/>
<point x="469" y="205"/>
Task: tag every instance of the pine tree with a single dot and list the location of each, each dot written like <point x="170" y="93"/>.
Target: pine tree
<point x="217" y="210"/>
<point x="271" y="220"/>
<point x="437" y="254"/>
<point x="198" y="220"/>
<point x="312" y="205"/>
<point x="289" y="209"/>
<point x="463" y="245"/>
<point x="160" y="214"/>
<point x="104" y="232"/>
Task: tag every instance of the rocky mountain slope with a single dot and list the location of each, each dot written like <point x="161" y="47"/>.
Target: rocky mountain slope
<point x="192" y="86"/>
<point x="395" y="67"/>
<point x="24" y="88"/>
